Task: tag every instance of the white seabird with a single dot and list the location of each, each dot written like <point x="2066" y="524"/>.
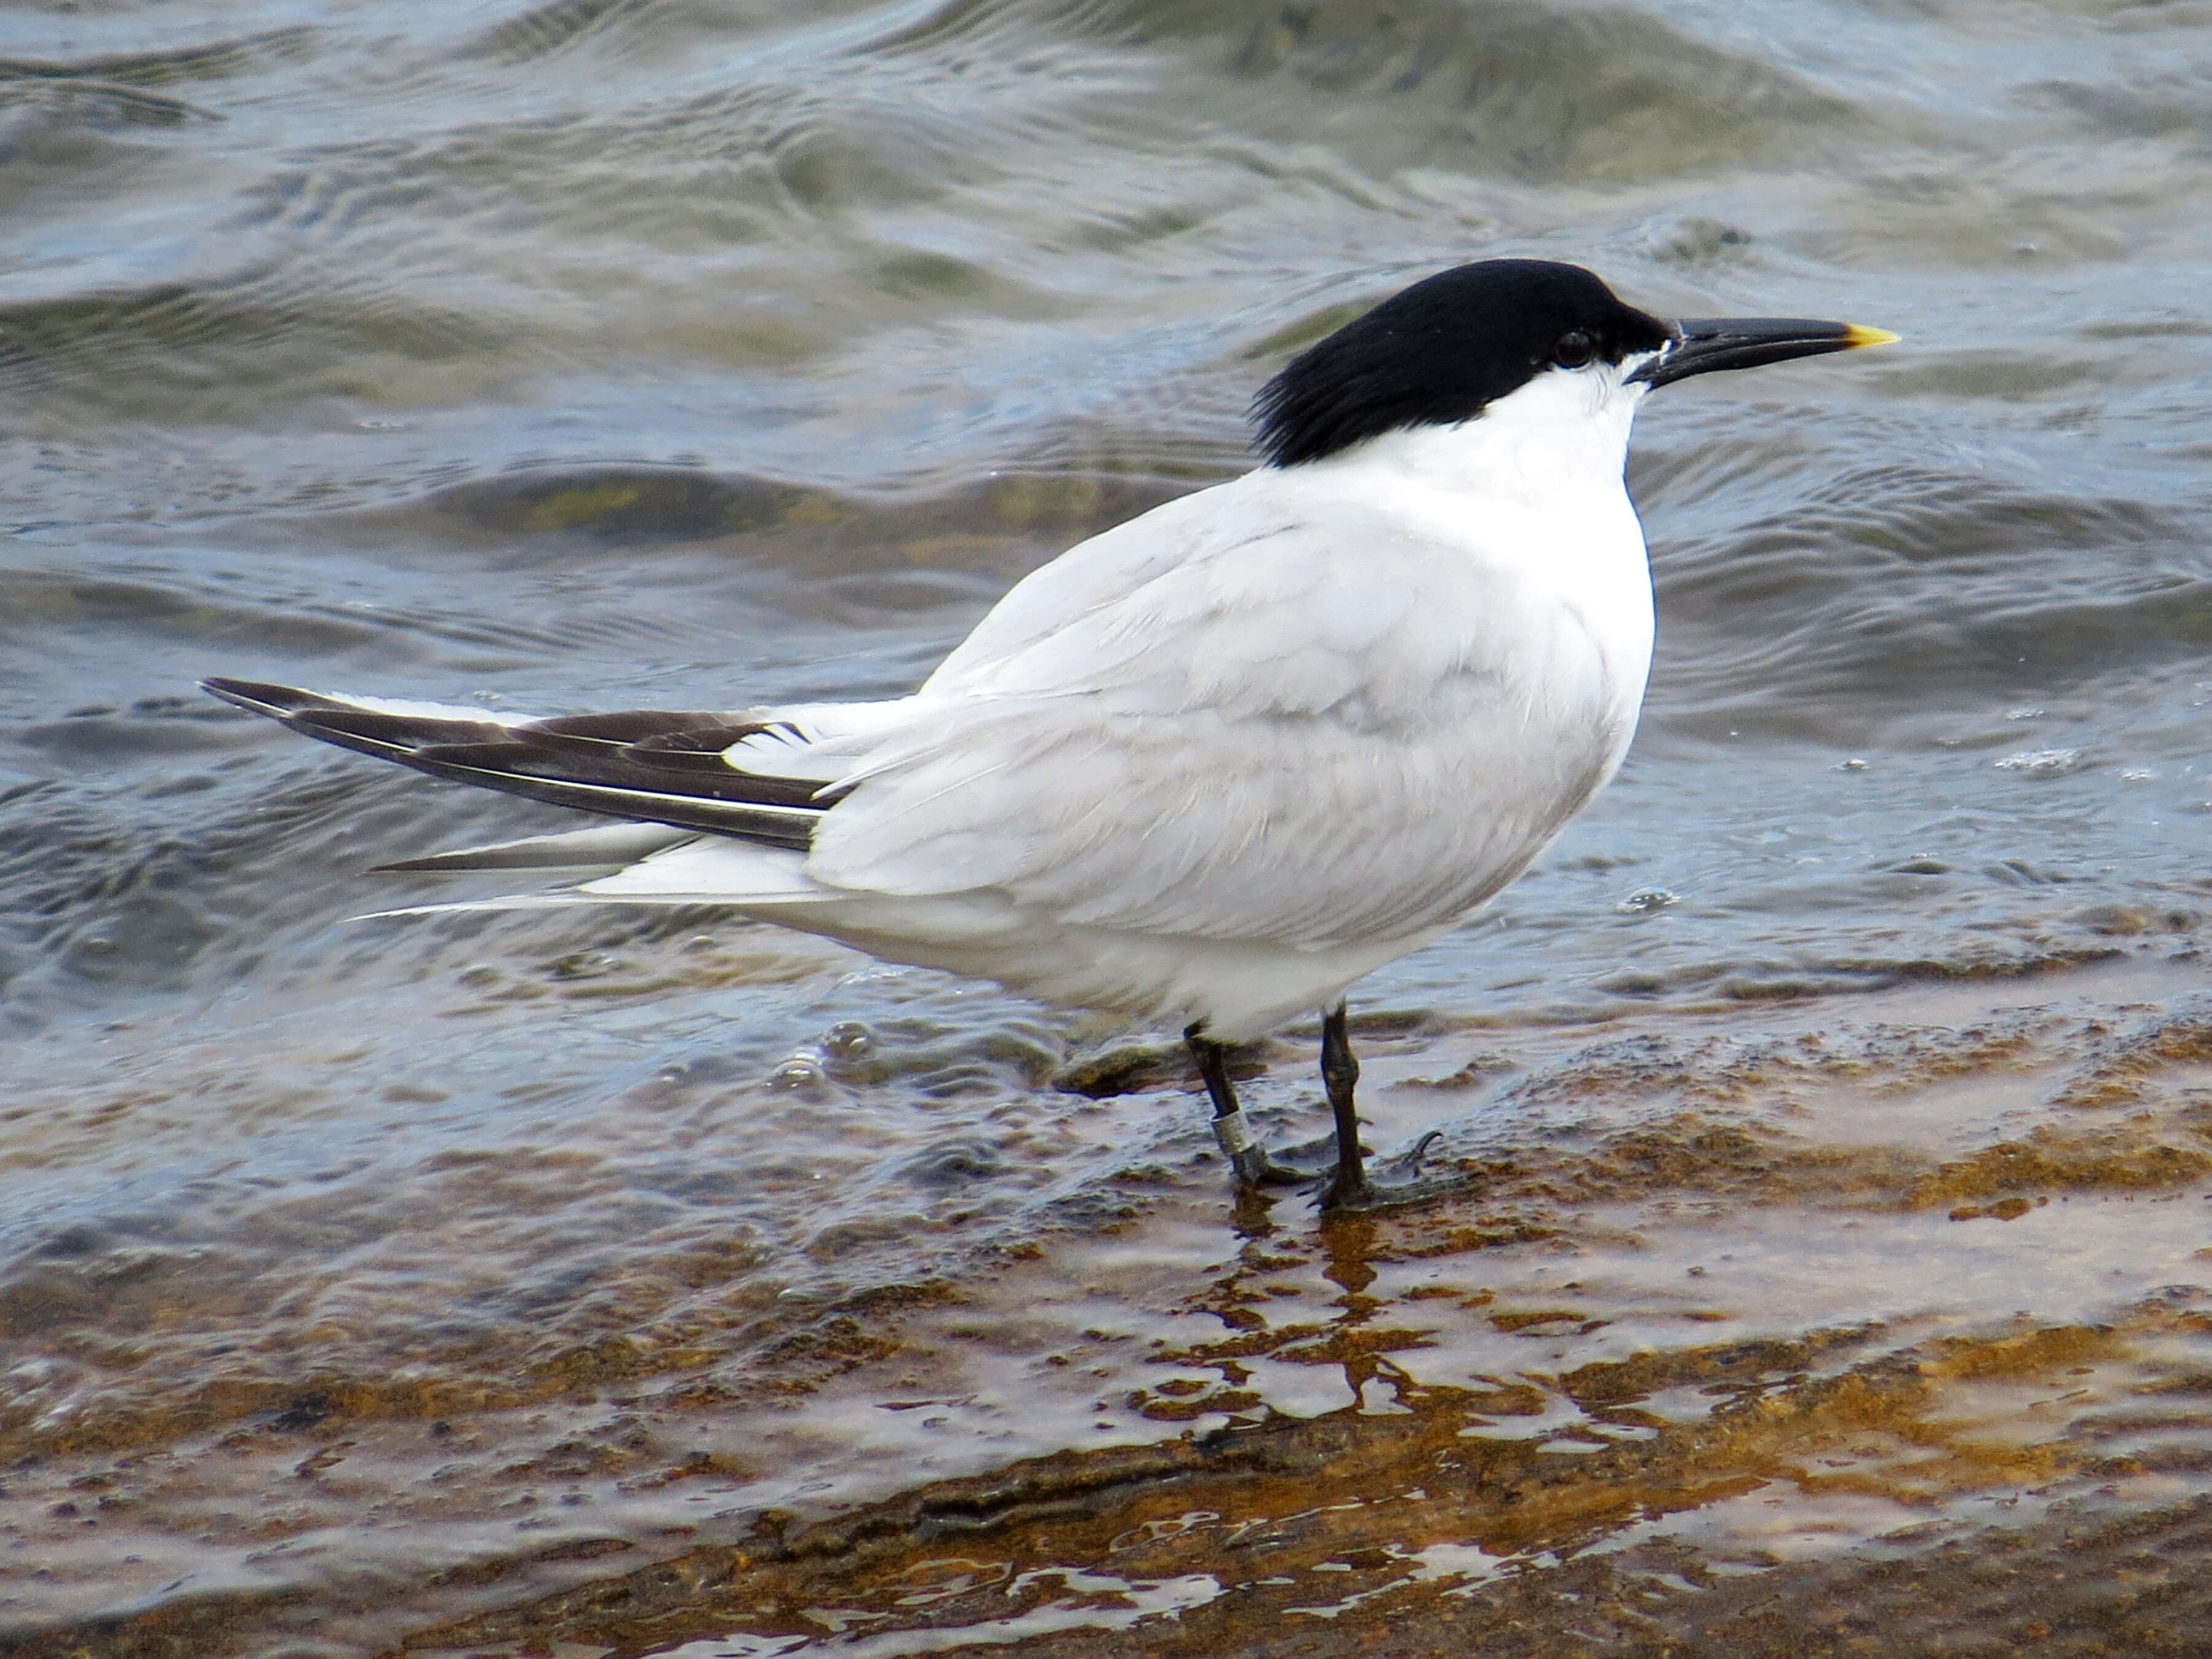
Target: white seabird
<point x="1214" y="765"/>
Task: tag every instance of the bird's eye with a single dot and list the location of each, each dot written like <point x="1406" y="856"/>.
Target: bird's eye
<point x="1574" y="350"/>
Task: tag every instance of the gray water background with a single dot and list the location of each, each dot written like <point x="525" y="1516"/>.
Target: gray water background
<point x="604" y="355"/>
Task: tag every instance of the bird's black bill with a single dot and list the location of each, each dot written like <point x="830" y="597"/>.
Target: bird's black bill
<point x="1706" y="344"/>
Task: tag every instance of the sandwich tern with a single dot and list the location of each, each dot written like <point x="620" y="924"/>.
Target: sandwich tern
<point x="1213" y="765"/>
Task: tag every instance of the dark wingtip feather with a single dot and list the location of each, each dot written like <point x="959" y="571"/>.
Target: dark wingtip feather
<point x="261" y="697"/>
<point x="646" y="766"/>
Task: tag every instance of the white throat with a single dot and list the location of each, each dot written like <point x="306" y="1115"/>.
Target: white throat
<point x="1562" y="436"/>
<point x="1534" y="486"/>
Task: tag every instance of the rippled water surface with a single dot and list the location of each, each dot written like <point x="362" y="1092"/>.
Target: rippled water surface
<point x="1838" y="1268"/>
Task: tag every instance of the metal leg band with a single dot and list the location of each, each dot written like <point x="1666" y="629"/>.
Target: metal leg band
<point x="1234" y="1130"/>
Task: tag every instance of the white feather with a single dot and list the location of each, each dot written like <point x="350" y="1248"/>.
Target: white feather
<point x="1220" y="761"/>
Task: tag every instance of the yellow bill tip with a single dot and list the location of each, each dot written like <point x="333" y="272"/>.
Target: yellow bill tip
<point x="1858" y="334"/>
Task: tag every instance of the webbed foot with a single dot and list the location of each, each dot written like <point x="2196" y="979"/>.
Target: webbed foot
<point x="1395" y="1182"/>
<point x="1305" y="1164"/>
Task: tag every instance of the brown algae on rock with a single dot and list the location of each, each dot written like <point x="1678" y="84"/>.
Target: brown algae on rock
<point x="1702" y="1317"/>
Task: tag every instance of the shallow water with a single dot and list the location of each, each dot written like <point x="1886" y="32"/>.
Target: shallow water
<point x="1836" y="1092"/>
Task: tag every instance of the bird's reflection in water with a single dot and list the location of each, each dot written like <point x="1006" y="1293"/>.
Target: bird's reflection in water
<point x="1351" y="1243"/>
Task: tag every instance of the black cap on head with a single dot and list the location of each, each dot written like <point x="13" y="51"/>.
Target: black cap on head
<point x="1435" y="354"/>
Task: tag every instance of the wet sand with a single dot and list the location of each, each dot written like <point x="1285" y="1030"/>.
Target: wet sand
<point x="1755" y="1327"/>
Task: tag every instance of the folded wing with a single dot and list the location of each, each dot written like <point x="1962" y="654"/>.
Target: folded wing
<point x="652" y="767"/>
<point x="1306" y="736"/>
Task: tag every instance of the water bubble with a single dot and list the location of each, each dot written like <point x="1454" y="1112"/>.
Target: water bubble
<point x="802" y="1071"/>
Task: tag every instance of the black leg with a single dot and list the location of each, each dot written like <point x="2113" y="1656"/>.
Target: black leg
<point x="1350" y="1188"/>
<point x="1340" y="1075"/>
<point x="1231" y="1126"/>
